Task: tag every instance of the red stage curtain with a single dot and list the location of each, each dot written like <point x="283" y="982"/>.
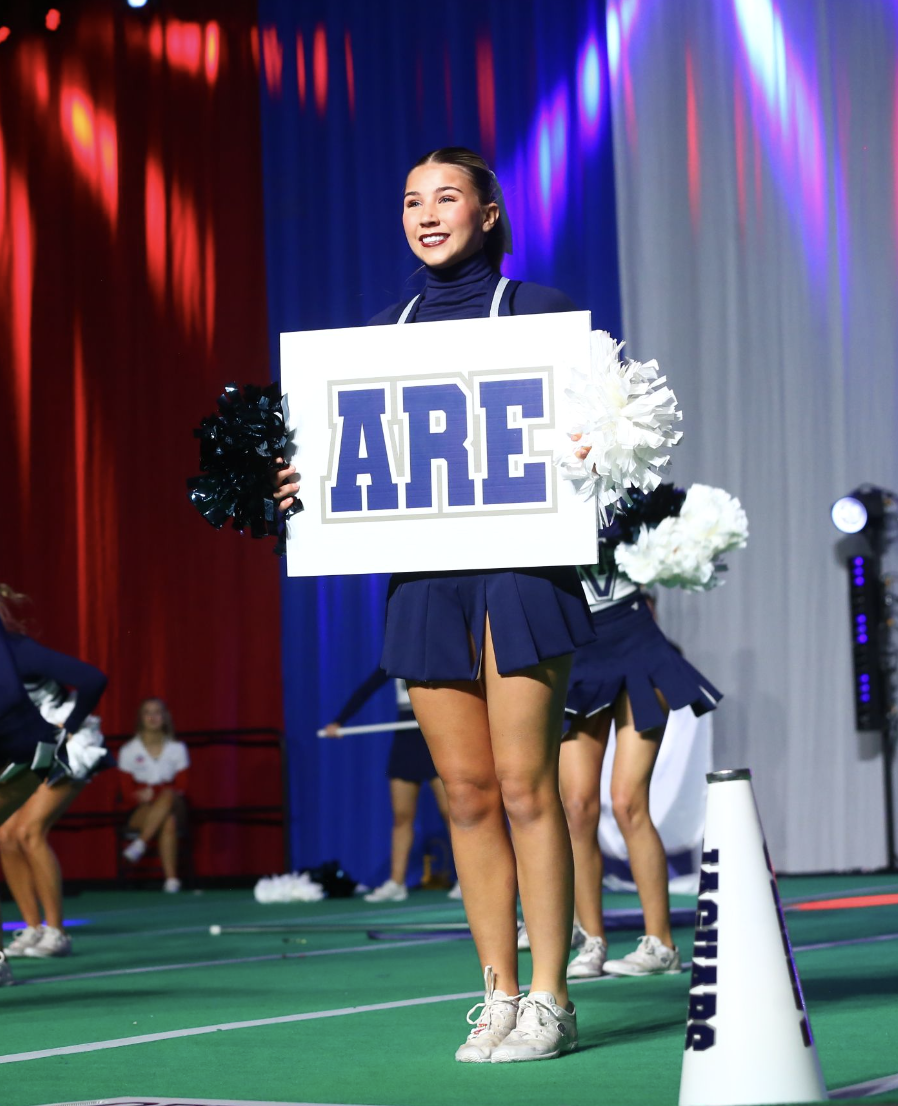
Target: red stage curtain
<point x="132" y="287"/>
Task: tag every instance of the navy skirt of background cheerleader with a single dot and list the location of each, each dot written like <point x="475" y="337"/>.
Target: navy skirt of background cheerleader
<point x="630" y="653"/>
<point x="410" y="759"/>
<point x="432" y="619"/>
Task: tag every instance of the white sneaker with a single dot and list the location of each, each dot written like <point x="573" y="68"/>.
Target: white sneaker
<point x="578" y="936"/>
<point x="53" y="942"/>
<point x="498" y="1018"/>
<point x="391" y="891"/>
<point x="649" y="958"/>
<point x="6" y="979"/>
<point x="455" y="893"/>
<point x="589" y="961"/>
<point x="171" y="886"/>
<point x="23" y="939"/>
<point x="135" y="850"/>
<point x="544" y="1030"/>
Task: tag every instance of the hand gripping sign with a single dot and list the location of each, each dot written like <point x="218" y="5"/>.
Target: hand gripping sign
<point x="429" y="447"/>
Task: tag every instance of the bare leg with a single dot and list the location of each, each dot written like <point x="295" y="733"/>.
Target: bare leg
<point x="631" y="775"/>
<point x="34" y="821"/>
<point x="12" y="795"/>
<point x="526" y="711"/>
<point x="582" y="755"/>
<point x="404" y="800"/>
<point x="453" y="718"/>
<point x="168" y="847"/>
<point x="17" y="871"/>
<point x="149" y="818"/>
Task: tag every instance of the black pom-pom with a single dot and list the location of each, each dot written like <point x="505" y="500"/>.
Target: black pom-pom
<point x="644" y="509"/>
<point x="237" y="449"/>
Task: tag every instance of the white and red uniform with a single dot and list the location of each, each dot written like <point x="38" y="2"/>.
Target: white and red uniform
<point x="140" y="769"/>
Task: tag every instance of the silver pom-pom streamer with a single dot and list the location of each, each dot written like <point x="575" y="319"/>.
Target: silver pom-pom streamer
<point x="624" y="429"/>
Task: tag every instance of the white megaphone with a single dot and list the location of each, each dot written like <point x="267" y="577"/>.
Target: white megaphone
<point x="748" y="1038"/>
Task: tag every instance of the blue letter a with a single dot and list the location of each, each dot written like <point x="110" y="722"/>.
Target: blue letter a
<point x="363" y="452"/>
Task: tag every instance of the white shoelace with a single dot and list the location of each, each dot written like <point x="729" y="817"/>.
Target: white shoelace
<point x="484" y="1022"/>
<point x="532" y="1020"/>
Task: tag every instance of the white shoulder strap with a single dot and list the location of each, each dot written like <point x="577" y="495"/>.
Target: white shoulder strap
<point x="497" y="297"/>
<point x="407" y="310"/>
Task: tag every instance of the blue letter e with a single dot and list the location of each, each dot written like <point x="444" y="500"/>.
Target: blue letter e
<point x="363" y="452"/>
<point x="504" y="441"/>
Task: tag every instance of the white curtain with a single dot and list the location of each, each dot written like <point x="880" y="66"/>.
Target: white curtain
<point x="756" y="149"/>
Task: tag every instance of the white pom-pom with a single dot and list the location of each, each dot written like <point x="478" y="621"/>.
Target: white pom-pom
<point x="623" y="431"/>
<point x="716" y="518"/>
<point x="685" y="551"/>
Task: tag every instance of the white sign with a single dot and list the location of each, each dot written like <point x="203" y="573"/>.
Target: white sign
<point x="428" y="447"/>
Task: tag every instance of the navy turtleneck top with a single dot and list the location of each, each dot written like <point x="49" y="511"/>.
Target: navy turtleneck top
<point x="465" y="291"/>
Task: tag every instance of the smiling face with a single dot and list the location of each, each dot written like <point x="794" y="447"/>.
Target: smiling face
<point x="443" y="218"/>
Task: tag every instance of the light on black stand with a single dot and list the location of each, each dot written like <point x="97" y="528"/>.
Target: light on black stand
<point x="869" y="513"/>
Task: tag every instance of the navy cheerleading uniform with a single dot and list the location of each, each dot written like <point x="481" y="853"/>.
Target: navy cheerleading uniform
<point x="631" y="654"/>
<point x="432" y="617"/>
<point x="409" y="759"/>
<point x="27" y="740"/>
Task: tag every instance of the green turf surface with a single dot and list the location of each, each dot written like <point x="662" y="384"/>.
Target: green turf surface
<point x="631" y="1030"/>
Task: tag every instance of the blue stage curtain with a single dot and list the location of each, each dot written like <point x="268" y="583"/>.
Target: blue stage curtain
<point x="352" y="95"/>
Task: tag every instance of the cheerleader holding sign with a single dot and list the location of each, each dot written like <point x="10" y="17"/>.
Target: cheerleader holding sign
<point x="487" y="657"/>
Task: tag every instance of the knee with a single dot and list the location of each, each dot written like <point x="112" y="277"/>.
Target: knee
<point x="29" y="836"/>
<point x="631" y="810"/>
<point x="471" y="801"/>
<point x="525" y="798"/>
<point x="403" y="819"/>
<point x="582" y="813"/>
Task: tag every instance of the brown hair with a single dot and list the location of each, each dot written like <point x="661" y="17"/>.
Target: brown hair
<point x="10" y="598"/>
<point x="168" y="727"/>
<point x="486" y="186"/>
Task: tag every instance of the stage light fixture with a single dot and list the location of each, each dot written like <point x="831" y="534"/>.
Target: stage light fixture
<point x="849" y="515"/>
<point x="53" y="19"/>
<point x="5" y="32"/>
<point x="137" y="3"/>
<point x="869" y="513"/>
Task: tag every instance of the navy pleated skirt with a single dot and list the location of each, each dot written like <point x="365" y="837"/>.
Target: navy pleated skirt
<point x="630" y="653"/>
<point x="410" y="759"/>
<point x="534" y="613"/>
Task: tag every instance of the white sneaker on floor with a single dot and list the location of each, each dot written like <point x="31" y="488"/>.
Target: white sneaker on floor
<point x="6" y="979"/>
<point x="23" y="939"/>
<point x="578" y="936"/>
<point x="544" y="1030"/>
<point x="649" y="958"/>
<point x="589" y="961"/>
<point x="135" y="850"/>
<point x="390" y="891"/>
<point x="498" y="1018"/>
<point x="171" y="886"/>
<point x="455" y="893"/>
<point x="53" y="942"/>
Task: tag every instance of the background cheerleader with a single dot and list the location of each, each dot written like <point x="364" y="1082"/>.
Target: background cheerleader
<point x="153" y="766"/>
<point x="27" y="753"/>
<point x="632" y="675"/>
<point x="29" y="863"/>
<point x="409" y="766"/>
